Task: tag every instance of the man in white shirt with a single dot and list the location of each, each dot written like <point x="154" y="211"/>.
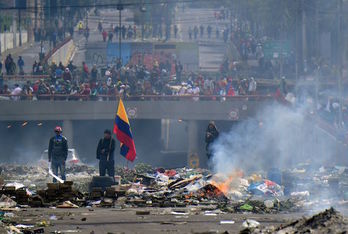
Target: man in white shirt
<point x="196" y="92"/>
<point x="16" y="92"/>
<point x="252" y="86"/>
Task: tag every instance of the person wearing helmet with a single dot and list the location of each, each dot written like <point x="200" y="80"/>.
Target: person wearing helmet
<point x="58" y="153"/>
<point x="105" y="154"/>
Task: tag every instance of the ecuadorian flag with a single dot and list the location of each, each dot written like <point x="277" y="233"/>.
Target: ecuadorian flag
<point x="123" y="133"/>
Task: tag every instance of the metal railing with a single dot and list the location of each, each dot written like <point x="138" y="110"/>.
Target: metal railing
<point x="25" y="77"/>
<point x="81" y="97"/>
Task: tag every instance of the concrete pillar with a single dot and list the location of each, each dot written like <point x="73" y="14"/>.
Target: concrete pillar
<point x="68" y="132"/>
<point x="165" y="124"/>
<point x="14" y="29"/>
<point x="192" y="157"/>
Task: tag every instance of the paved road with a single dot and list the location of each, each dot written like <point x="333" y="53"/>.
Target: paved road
<point x="160" y="220"/>
<point x="211" y="51"/>
<point x="29" y="52"/>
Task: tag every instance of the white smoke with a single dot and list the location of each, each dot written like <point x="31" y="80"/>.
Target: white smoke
<point x="278" y="136"/>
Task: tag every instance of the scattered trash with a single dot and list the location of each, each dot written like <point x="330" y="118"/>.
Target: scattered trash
<point x="227" y="222"/>
<point x="142" y="212"/>
<point x="246" y="207"/>
<point x="269" y="204"/>
<point x="67" y="204"/>
<point x="43" y="223"/>
<point x="179" y="213"/>
<point x="300" y="194"/>
<point x="6" y="202"/>
<point x="250" y="223"/>
<point x="266" y="187"/>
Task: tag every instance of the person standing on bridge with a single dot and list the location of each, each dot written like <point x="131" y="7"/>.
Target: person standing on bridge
<point x="58" y="153"/>
<point x="20" y="64"/>
<point x="100" y="26"/>
<point x="209" y="30"/>
<point x="195" y="32"/>
<point x="190" y="33"/>
<point x="105" y="154"/>
<point x="105" y="35"/>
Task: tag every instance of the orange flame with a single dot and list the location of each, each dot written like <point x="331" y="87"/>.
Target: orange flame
<point x="225" y="183"/>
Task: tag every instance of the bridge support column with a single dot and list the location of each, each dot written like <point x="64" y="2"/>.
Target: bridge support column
<point x="68" y="132"/>
<point x="192" y="157"/>
<point x="165" y="123"/>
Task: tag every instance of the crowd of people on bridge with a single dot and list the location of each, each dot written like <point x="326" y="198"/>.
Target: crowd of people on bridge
<point x="133" y="80"/>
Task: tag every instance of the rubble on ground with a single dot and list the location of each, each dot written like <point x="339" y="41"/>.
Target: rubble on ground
<point x="328" y="221"/>
<point x="145" y="186"/>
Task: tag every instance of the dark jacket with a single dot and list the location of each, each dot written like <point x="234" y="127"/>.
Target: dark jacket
<point x="109" y="149"/>
<point x="211" y="134"/>
<point x="58" y="149"/>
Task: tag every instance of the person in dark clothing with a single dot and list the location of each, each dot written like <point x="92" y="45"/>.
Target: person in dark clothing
<point x="176" y="29"/>
<point x="195" y="32"/>
<point x="105" y="154"/>
<point x="58" y="153"/>
<point x="209" y="30"/>
<point x="210" y="137"/>
<point x="20" y="64"/>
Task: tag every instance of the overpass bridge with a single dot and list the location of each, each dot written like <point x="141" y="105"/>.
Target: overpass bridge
<point x="163" y="108"/>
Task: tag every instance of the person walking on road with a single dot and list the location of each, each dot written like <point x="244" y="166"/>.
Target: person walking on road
<point x="195" y="32"/>
<point x="20" y="64"/>
<point x="190" y="33"/>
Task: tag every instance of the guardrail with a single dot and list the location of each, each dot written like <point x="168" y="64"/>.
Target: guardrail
<point x="25" y="77"/>
<point x="80" y="97"/>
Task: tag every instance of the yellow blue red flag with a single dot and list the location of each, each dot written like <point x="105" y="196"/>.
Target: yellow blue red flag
<point x="123" y="133"/>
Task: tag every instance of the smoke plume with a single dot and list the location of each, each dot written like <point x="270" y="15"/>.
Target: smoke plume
<point x="279" y="137"/>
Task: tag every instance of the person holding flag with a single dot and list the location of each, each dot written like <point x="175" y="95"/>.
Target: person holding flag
<point x="123" y="133"/>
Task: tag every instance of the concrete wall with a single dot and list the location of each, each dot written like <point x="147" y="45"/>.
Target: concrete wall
<point x="7" y="40"/>
<point x="63" y="54"/>
<point x="236" y="109"/>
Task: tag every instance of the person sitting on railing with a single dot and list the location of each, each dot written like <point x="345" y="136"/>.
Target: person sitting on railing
<point x="27" y="91"/>
<point x="71" y="66"/>
<point x="16" y="92"/>
<point x="252" y="86"/>
<point x="40" y="69"/>
<point x="58" y="73"/>
<point x="85" y="91"/>
<point x="5" y="90"/>
<point x="43" y="89"/>
<point x="74" y="91"/>
<point x="67" y="75"/>
<point x="85" y="71"/>
<point x="94" y="73"/>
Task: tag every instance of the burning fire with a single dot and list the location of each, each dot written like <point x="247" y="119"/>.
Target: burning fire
<point x="227" y="182"/>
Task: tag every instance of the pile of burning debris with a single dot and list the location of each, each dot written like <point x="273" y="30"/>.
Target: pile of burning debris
<point x="145" y="186"/>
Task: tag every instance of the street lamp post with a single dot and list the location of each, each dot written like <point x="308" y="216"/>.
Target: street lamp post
<point x="120" y="8"/>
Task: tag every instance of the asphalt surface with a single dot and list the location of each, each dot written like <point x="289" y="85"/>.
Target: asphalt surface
<point x="160" y="220"/>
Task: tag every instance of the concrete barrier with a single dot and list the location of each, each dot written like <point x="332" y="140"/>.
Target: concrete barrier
<point x="63" y="54"/>
<point x="7" y="40"/>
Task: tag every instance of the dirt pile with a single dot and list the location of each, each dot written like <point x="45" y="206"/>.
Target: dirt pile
<point x="328" y="221"/>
